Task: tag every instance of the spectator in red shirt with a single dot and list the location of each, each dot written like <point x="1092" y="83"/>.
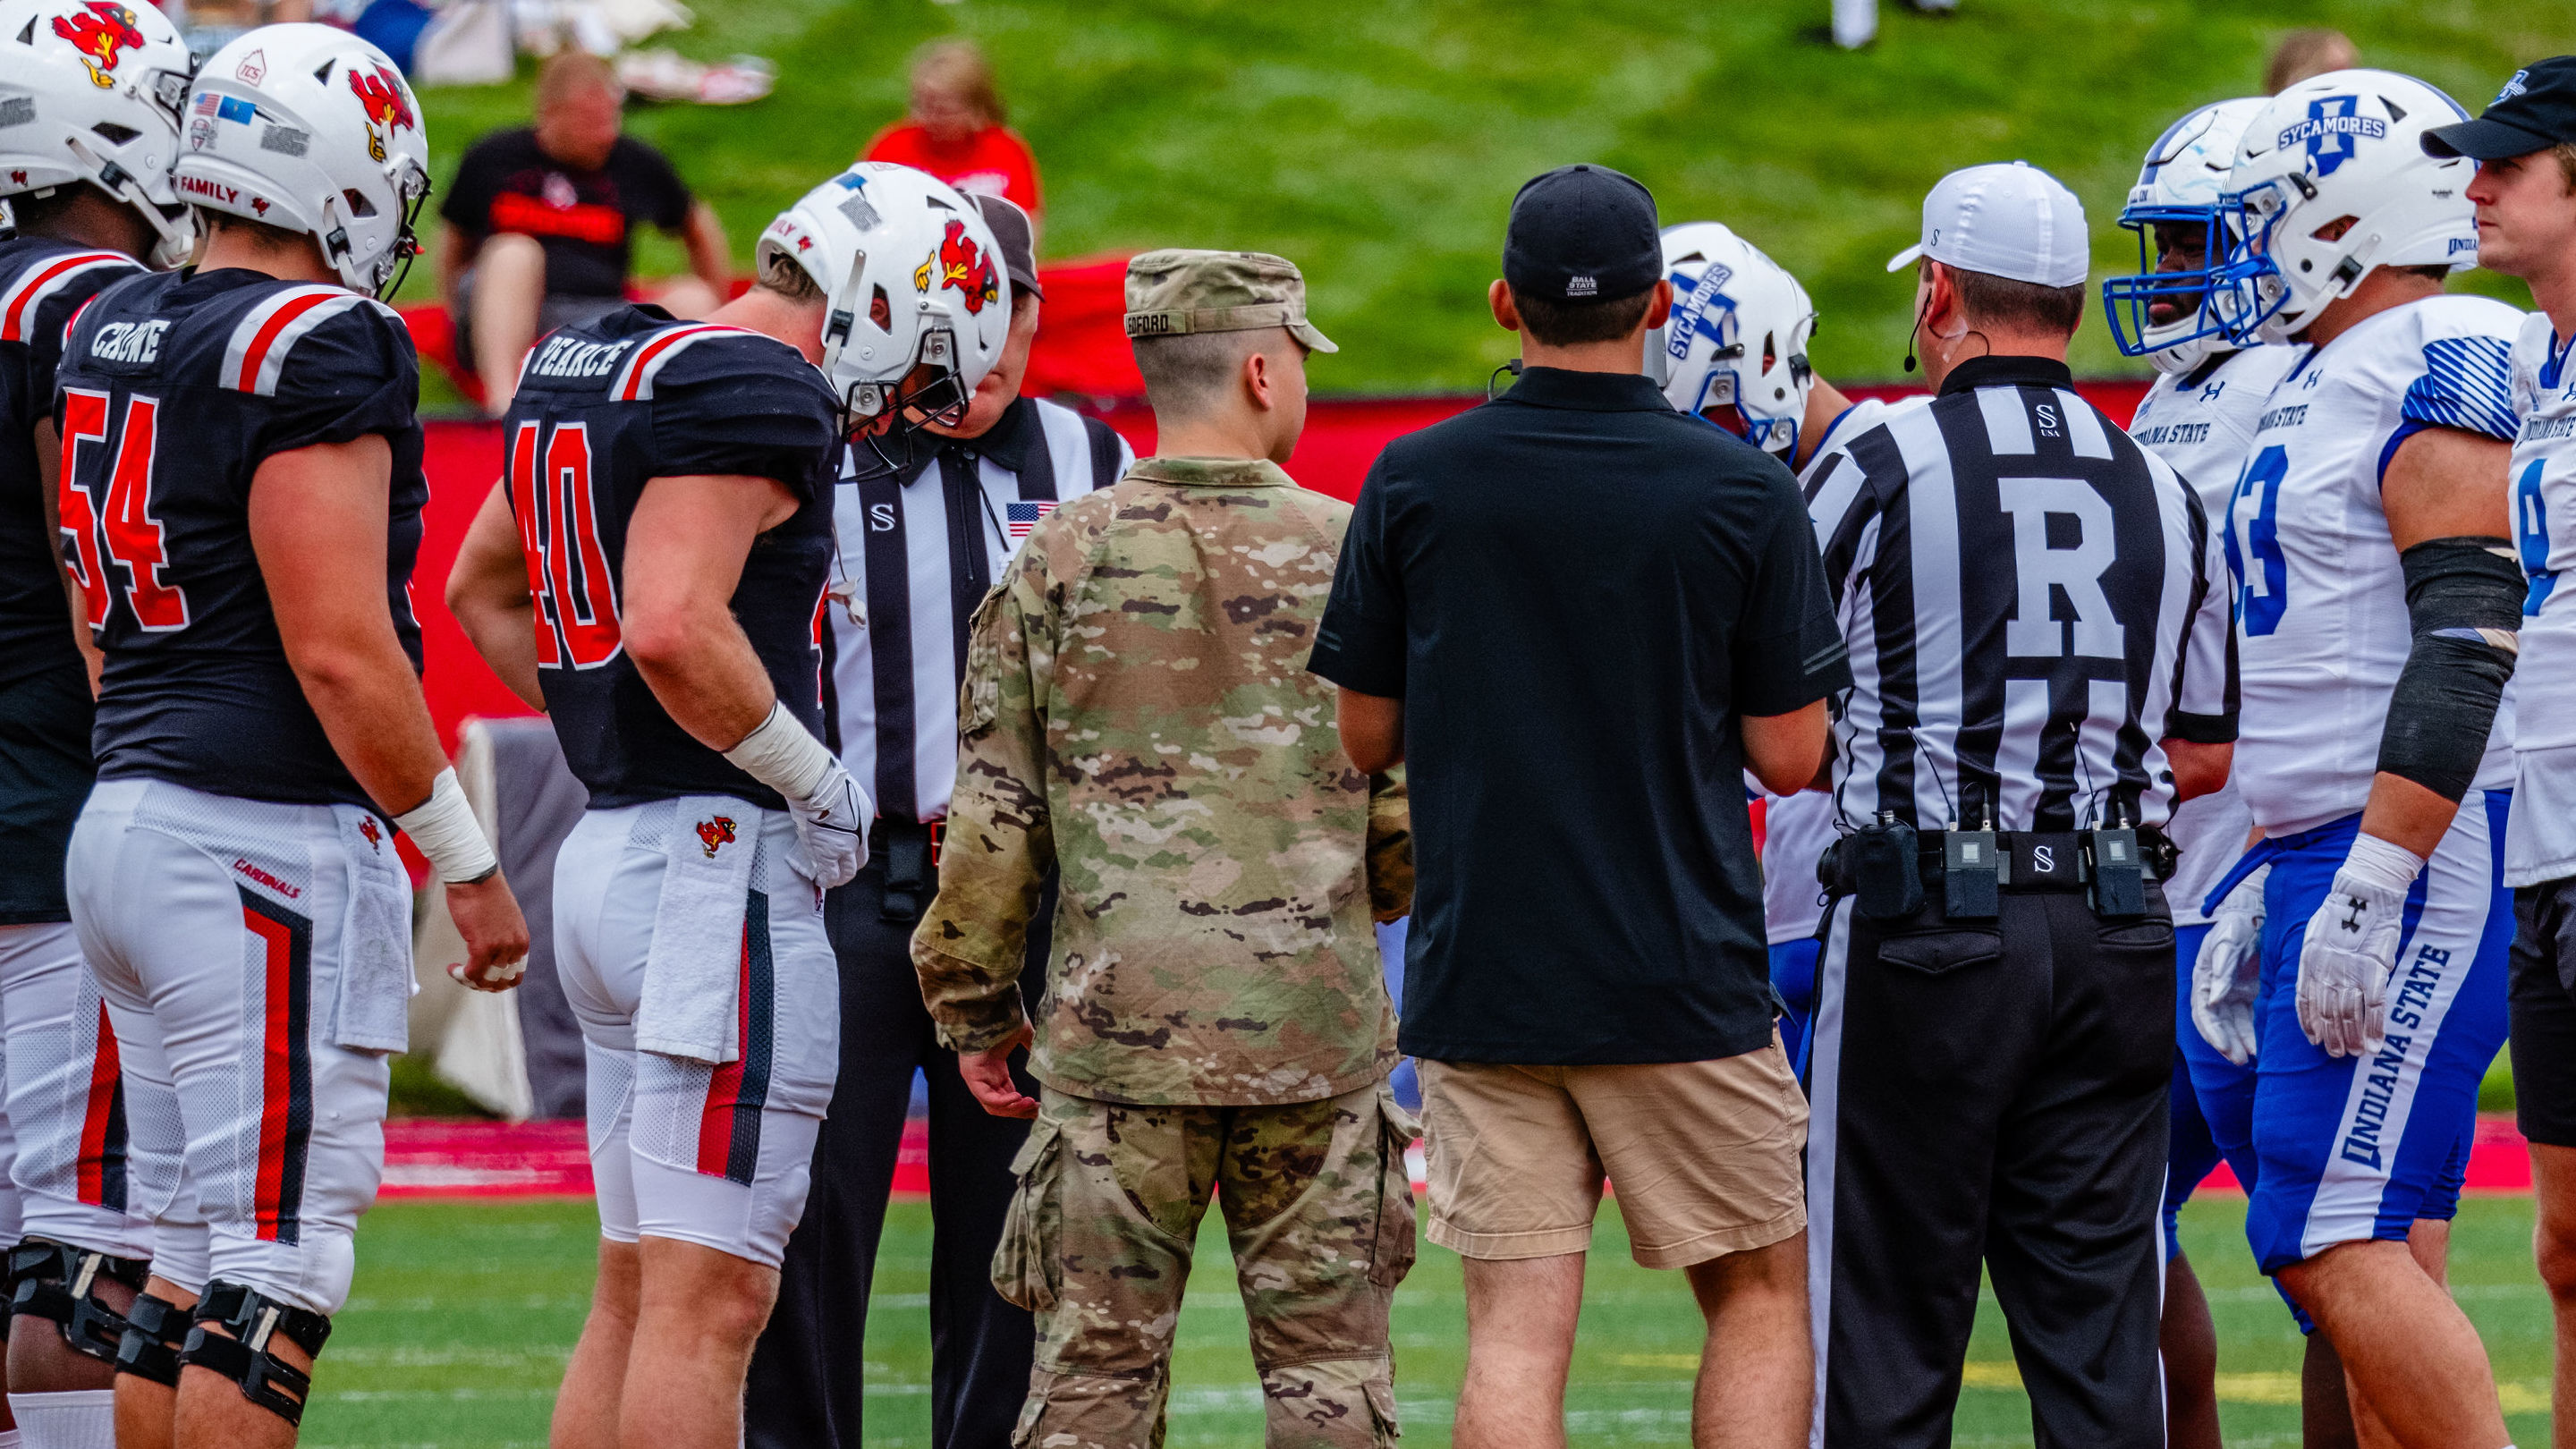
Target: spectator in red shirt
<point x="537" y="230"/>
<point x="956" y="130"/>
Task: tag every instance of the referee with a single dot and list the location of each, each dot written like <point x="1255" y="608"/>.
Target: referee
<point x="919" y="547"/>
<point x="2038" y="617"/>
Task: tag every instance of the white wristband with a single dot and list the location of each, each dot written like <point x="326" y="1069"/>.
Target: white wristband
<point x="2383" y="863"/>
<point x="784" y="755"/>
<point x="446" y="831"/>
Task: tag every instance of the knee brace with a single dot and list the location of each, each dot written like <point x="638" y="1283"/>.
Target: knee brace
<point x="155" y="1331"/>
<point x="53" y="1280"/>
<point x="253" y="1318"/>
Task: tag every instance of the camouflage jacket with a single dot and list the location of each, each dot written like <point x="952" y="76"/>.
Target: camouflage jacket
<point x="1136" y="712"/>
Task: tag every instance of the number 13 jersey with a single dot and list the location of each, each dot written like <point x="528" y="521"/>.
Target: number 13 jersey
<point x="2321" y="602"/>
<point x="173" y="389"/>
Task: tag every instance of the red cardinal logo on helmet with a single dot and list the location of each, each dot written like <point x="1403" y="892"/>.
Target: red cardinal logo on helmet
<point x="967" y="267"/>
<point x="715" y="834"/>
<point x="101" y="32"/>
<point x="388" y="106"/>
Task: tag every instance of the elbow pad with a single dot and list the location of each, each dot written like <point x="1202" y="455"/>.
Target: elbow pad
<point x="2464" y="596"/>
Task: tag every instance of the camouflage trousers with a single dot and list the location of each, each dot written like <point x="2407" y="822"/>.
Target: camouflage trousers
<point x="1318" y="1208"/>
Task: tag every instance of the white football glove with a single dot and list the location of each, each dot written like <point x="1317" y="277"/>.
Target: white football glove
<point x="2351" y="949"/>
<point x="831" y="830"/>
<point x="2229" y="968"/>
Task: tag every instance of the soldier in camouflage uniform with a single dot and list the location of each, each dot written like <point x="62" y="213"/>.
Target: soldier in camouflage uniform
<point x="1137" y="713"/>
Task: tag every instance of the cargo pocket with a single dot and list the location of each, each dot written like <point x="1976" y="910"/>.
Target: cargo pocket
<point x="1391" y="1255"/>
<point x="1381" y="1402"/>
<point x="1024" y="1269"/>
<point x="1937" y="953"/>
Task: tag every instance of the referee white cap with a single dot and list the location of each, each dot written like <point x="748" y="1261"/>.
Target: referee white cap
<point x="2006" y="219"/>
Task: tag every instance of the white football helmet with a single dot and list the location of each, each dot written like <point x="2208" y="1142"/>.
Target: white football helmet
<point x="311" y="129"/>
<point x="2179" y="186"/>
<point x="2331" y="182"/>
<point x="879" y="233"/>
<point x="90" y="90"/>
<point x="1737" y="336"/>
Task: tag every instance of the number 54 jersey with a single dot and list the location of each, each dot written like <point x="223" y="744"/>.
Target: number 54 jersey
<point x="2321" y="602"/>
<point x="602" y="410"/>
<point x="172" y="391"/>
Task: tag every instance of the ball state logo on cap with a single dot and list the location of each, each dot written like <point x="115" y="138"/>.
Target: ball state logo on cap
<point x="1582" y="287"/>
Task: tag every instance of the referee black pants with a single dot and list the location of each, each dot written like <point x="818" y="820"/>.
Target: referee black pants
<point x="1992" y="1093"/>
<point x="807" y="1382"/>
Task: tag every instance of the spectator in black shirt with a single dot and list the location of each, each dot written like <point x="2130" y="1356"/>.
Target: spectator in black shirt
<point x="537" y="231"/>
<point x="1577" y="617"/>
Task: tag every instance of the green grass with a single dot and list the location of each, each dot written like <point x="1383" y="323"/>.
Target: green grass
<point x="1378" y="142"/>
<point x="464" y="1315"/>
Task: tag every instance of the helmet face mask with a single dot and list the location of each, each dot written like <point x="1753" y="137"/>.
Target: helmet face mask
<point x="2181" y="192"/>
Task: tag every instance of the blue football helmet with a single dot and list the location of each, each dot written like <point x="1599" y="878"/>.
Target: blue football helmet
<point x="2179" y="189"/>
<point x="1734" y="353"/>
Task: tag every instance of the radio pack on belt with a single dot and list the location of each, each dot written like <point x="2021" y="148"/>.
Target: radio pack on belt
<point x="1884" y="868"/>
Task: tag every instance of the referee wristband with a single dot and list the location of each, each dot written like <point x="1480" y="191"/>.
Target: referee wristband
<point x="784" y="755"/>
<point x="444" y="828"/>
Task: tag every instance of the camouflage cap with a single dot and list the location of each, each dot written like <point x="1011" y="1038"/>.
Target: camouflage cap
<point x="1175" y="291"/>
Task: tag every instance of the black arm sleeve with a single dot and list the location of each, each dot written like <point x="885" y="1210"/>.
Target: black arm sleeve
<point x="2465" y="598"/>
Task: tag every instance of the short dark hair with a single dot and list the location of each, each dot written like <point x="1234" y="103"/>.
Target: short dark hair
<point x="1186" y="371"/>
<point x="1986" y="297"/>
<point x="268" y="232"/>
<point x="1568" y="324"/>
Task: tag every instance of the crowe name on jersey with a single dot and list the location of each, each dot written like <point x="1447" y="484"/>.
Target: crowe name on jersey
<point x="604" y="409"/>
<point x="173" y="389"/>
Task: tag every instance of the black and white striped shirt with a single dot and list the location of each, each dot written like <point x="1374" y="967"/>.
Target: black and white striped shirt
<point x="917" y="551"/>
<point x="2033" y="603"/>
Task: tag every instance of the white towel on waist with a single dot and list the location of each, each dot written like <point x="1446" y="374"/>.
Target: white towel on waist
<point x="376" y="980"/>
<point x="693" y="971"/>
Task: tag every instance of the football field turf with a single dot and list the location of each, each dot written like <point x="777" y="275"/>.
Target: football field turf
<point x="464" y="1313"/>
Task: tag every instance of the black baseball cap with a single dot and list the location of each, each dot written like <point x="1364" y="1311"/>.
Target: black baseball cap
<point x="1582" y="234"/>
<point x="2535" y="111"/>
<point x="1012" y="235"/>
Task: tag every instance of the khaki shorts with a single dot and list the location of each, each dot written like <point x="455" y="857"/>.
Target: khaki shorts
<point x="1705" y="1156"/>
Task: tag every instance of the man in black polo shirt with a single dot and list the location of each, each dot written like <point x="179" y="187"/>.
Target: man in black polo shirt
<point x="1578" y="617"/>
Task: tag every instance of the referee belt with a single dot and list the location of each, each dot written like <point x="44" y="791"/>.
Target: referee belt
<point x="908" y="852"/>
<point x="2031" y="862"/>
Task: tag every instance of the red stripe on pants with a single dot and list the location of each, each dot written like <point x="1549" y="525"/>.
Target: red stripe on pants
<point x="724" y="1087"/>
<point x="103" y="1067"/>
<point x="277" y="1083"/>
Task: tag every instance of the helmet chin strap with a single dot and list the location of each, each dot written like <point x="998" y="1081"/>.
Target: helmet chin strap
<point x="175" y="242"/>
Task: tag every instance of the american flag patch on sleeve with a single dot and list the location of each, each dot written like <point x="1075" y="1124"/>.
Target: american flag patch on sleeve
<point x="1024" y="516"/>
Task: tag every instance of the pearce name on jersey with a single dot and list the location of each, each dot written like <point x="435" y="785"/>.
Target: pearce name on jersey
<point x="172" y="390"/>
<point x="41" y="284"/>
<point x="604" y="409"/>
<point x="2322" y="621"/>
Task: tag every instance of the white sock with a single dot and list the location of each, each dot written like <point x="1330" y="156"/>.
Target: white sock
<point x="81" y="1419"/>
<point x="9" y="1439"/>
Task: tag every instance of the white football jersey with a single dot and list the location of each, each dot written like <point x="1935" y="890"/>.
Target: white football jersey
<point x="2540" y="839"/>
<point x="2321" y="622"/>
<point x="1796" y="829"/>
<point x="2202" y="422"/>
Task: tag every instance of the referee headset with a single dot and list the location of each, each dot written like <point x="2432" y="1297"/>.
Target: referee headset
<point x="1923" y="309"/>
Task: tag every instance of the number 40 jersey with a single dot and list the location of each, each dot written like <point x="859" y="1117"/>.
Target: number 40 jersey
<point x="602" y="410"/>
<point x="2321" y="601"/>
<point x="172" y="391"/>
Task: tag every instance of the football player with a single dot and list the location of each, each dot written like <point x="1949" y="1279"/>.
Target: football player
<point x="652" y="571"/>
<point x="2377" y="607"/>
<point x="2525" y="194"/>
<point x="1735" y="355"/>
<point x="240" y="503"/>
<point x="2199" y="416"/>
<point x="91" y="97"/>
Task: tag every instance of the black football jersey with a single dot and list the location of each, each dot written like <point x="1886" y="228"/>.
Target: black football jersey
<point x="602" y="410"/>
<point x="41" y="284"/>
<point x="173" y="389"/>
